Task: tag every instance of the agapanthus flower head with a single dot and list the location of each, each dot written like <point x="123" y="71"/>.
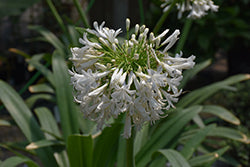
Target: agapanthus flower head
<point x="197" y="8"/>
<point x="136" y="76"/>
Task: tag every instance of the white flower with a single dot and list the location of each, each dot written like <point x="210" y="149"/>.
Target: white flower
<point x="133" y="77"/>
<point x="105" y="33"/>
<point x="197" y="8"/>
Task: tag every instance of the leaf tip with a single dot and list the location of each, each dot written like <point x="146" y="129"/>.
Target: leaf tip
<point x="31" y="146"/>
<point x="245" y="139"/>
<point x="216" y="155"/>
<point x="247" y="76"/>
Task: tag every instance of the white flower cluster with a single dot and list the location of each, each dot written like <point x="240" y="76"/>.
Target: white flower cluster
<point x="197" y="8"/>
<point x="134" y="77"/>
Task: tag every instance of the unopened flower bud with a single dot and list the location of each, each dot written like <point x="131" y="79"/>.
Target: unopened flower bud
<point x="151" y="36"/>
<point x="136" y="29"/>
<point x="142" y="28"/>
<point x="127" y="24"/>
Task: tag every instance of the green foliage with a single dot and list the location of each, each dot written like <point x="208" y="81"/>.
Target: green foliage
<point x="66" y="105"/>
<point x="185" y="138"/>
<point x="221" y="30"/>
<point x="25" y="120"/>
<point x="14" y="7"/>
<point x="80" y="150"/>
<point x="15" y="160"/>
<point x="175" y="158"/>
<point x="238" y="102"/>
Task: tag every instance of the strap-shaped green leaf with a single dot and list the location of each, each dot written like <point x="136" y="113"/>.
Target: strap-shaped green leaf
<point x="48" y="123"/>
<point x="34" y="61"/>
<point x="199" y="95"/>
<point x="50" y="38"/>
<point x="166" y="133"/>
<point x="229" y="133"/>
<point x="106" y="146"/>
<point x="38" y="88"/>
<point x="189" y="74"/>
<point x="121" y="153"/>
<point x="25" y="120"/>
<point x="191" y="145"/>
<point x="174" y="158"/>
<point x="80" y="150"/>
<point x="50" y="127"/>
<point x="4" y="123"/>
<point x="44" y="143"/>
<point x="221" y="113"/>
<point x="207" y="158"/>
<point x="16" y="160"/>
<point x="30" y="102"/>
<point x="66" y="105"/>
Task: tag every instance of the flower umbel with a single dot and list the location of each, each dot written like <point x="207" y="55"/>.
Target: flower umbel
<point x="136" y="77"/>
<point x="197" y="8"/>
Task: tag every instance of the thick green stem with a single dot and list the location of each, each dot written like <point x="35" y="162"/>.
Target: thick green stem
<point x="81" y="13"/>
<point x="163" y="17"/>
<point x="130" y="151"/>
<point x="184" y="35"/>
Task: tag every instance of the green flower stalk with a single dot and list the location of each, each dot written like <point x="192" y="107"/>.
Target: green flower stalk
<point x="136" y="76"/>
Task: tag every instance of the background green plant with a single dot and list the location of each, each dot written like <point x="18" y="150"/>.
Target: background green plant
<point x="189" y="136"/>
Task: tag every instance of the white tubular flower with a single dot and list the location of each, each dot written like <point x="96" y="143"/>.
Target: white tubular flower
<point x="104" y="32"/>
<point x="197" y="8"/>
<point x="133" y="77"/>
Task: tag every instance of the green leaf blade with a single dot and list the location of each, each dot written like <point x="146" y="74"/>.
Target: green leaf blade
<point x="80" y="150"/>
<point x="175" y="158"/>
<point x="222" y="113"/>
<point x="25" y="120"/>
<point x="195" y="141"/>
<point x="199" y="95"/>
<point x="166" y="134"/>
<point x="106" y="146"/>
<point x="16" y="160"/>
<point x="66" y="105"/>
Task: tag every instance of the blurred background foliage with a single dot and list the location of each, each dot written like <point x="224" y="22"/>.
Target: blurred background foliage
<point x="29" y="28"/>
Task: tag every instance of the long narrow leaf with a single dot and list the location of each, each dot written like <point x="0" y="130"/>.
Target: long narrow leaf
<point x="207" y="158"/>
<point x="230" y="133"/>
<point x="141" y="138"/>
<point x="4" y="123"/>
<point x="160" y="161"/>
<point x="16" y="160"/>
<point x="74" y="35"/>
<point x="30" y="102"/>
<point x="121" y="153"/>
<point x="34" y="61"/>
<point x="67" y="108"/>
<point x="25" y="120"/>
<point x="198" y="121"/>
<point x="44" y="143"/>
<point x="166" y="133"/>
<point x="80" y="150"/>
<point x="199" y="95"/>
<point x="195" y="141"/>
<point x="50" y="37"/>
<point x="189" y="74"/>
<point x="175" y="158"/>
<point x="106" y="146"/>
<point x="48" y="123"/>
<point x="221" y="113"/>
<point x="45" y="88"/>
